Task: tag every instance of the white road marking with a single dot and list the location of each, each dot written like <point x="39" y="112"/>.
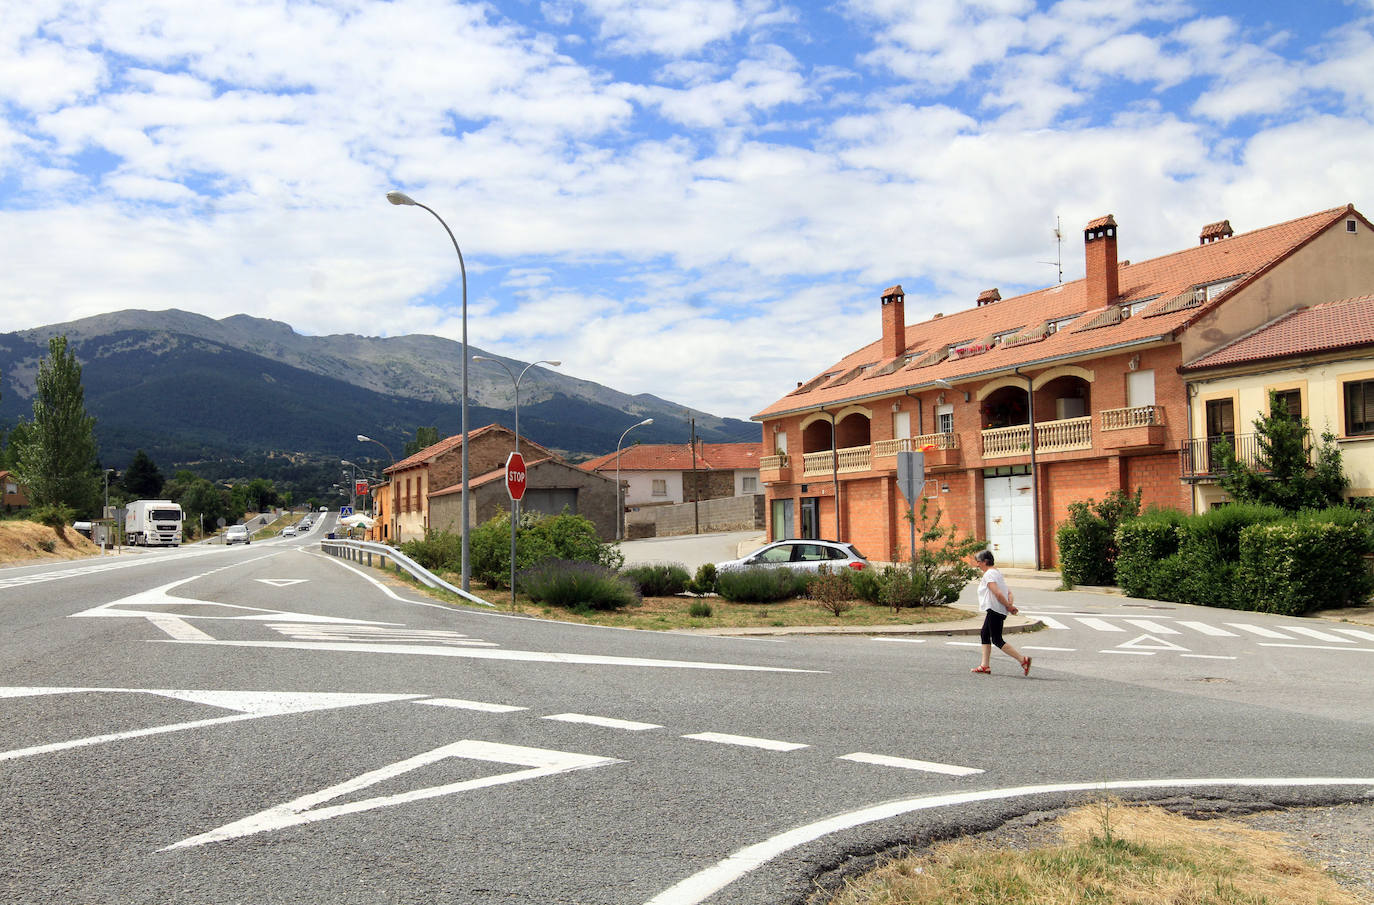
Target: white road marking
<point x="1362" y="650"/>
<point x="527" y="656"/>
<point x="1101" y="625"/>
<point x="705" y="883"/>
<point x="541" y="762"/>
<point x="281" y="582"/>
<point x="1208" y="629"/>
<point x="178" y="628"/>
<point x="368" y="633"/>
<point x="746" y="741"/>
<point x="604" y="721"/>
<point x="1138" y="653"/>
<point x="963" y="644"/>
<point x="251" y="705"/>
<point x="884" y="760"/>
<point x="1319" y="635"/>
<point x="1357" y="633"/>
<point x="1259" y="630"/>
<point x="1050" y="621"/>
<point x="1152" y="626"/>
<point x="1207" y="657"/>
<point x="1064" y="650"/>
<point x="107" y="565"/>
<point x="1149" y="642"/>
<point x="901" y="640"/>
<point x="470" y="705"/>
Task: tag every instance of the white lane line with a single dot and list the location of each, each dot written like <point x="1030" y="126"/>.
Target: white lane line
<point x="604" y="721"/>
<point x="1207" y="657"/>
<point x="1259" y="630"/>
<point x="1063" y="650"/>
<point x="477" y="653"/>
<point x="884" y="760"/>
<point x="902" y="640"/>
<point x="179" y="629"/>
<point x="963" y="644"/>
<point x="746" y="741"/>
<point x="1208" y="629"/>
<point x="1151" y="626"/>
<point x="1362" y="650"/>
<point x="1137" y="653"/>
<point x="1356" y="633"/>
<point x="707" y="882"/>
<point x="1050" y="621"/>
<point x="1319" y="635"/>
<point x="470" y="705"/>
<point x="1101" y="625"/>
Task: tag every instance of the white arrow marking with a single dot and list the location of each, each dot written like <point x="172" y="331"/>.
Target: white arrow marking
<point x="1150" y="642"/>
<point x="540" y="761"/>
<point x="281" y="582"/>
<point x="140" y="606"/>
<point x="251" y="705"/>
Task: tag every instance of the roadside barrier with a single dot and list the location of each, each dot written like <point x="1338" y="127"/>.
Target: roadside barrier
<point x="362" y="552"/>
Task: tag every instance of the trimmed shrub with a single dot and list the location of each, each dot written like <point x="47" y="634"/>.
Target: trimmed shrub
<point x="761" y="585"/>
<point x="700" y="609"/>
<point x="436" y="551"/>
<point x="1306" y="564"/>
<point x="658" y="579"/>
<point x="705" y="580"/>
<point x="1209" y="554"/>
<point x="1143" y="546"/>
<point x="577" y="585"/>
<point x="538" y="537"/>
<point x="1087" y="540"/>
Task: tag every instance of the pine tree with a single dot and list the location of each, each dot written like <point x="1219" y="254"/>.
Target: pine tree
<point x="142" y="478"/>
<point x="424" y="437"/>
<point x="1283" y="474"/>
<point x="55" y="458"/>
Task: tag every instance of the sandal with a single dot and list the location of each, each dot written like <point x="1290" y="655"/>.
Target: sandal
<point x="985" y="670"/>
<point x="1025" y="666"/>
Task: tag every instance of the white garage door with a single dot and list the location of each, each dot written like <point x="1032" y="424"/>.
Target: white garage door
<point x="1010" y="520"/>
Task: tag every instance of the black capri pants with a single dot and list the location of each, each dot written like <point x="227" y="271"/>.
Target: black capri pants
<point x="992" y="628"/>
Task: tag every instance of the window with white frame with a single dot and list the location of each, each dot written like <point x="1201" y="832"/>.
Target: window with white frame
<point x="944" y="419"/>
<point x="660" y="486"/>
<point x="749" y="485"/>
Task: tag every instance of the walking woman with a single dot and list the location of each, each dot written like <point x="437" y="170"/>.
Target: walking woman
<point x="995" y="603"/>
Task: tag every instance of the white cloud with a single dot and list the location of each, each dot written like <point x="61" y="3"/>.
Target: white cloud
<point x="670" y="28"/>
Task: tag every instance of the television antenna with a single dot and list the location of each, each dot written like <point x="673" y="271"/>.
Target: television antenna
<point x="1058" y="263"/>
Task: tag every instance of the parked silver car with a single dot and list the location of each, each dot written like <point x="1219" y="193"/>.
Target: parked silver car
<point x="801" y="554"/>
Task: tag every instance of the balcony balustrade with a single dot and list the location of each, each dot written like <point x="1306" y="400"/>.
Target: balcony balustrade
<point x="847" y="461"/>
<point x="1135" y="416"/>
<point x="1050" y="436"/>
<point x="1200" y="458"/>
<point x="885" y="448"/>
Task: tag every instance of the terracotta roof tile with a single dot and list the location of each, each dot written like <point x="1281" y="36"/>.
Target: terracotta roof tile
<point x="1165" y="277"/>
<point x="429" y="453"/>
<point x="1333" y="325"/>
<point x="677" y="457"/>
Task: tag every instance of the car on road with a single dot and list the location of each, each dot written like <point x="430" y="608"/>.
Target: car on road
<point x="324" y="508"/>
<point x="237" y="534"/>
<point x="801" y="554"/>
<point x="288" y="531"/>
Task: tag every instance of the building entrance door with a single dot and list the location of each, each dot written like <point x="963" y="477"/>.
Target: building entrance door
<point x="1008" y="503"/>
<point x="811" y="518"/>
<point x="783" y="524"/>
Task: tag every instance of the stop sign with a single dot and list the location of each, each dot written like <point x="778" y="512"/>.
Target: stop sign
<point x="515" y="475"/>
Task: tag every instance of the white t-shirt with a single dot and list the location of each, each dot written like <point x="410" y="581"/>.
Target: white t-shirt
<point x="985" y="599"/>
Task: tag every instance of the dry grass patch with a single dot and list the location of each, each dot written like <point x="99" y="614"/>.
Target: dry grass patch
<point x="22" y="541"/>
<point x="1108" y="854"/>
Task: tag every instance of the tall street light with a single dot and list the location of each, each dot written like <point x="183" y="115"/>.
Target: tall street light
<point x="403" y="198"/>
<point x="619" y="507"/>
<point x="391" y="490"/>
<point x="352" y="483"/>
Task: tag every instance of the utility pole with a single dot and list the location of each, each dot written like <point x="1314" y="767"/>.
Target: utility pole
<point x="696" y="487"/>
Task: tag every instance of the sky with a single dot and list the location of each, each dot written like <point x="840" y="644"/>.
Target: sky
<point x="698" y="199"/>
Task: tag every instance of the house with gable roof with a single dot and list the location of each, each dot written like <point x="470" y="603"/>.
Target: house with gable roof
<point x="1320" y="362"/>
<point x="660" y="474"/>
<point x="1027" y="404"/>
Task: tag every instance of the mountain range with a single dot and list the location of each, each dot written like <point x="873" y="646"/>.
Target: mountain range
<point x="191" y="389"/>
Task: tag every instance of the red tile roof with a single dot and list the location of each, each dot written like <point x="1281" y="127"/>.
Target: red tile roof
<point x="1167" y="283"/>
<point x="677" y="457"/>
<point x="1333" y="325"/>
<point x="430" y="453"/>
<point x="496" y="475"/>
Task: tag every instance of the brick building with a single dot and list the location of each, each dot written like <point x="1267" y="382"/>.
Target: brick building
<point x="1033" y="402"/>
<point x="551" y="486"/>
<point x="659" y="474"/>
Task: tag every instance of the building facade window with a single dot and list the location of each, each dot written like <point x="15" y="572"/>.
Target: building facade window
<point x="750" y="485"/>
<point x="1291" y="400"/>
<point x="660" y="487"/>
<point x="944" y="419"/>
<point x="1359" y="407"/>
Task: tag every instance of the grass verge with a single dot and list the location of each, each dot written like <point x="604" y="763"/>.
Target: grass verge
<point x="1104" y="854"/>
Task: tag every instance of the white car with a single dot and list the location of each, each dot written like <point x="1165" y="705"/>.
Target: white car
<point x="288" y="531"/>
<point x="801" y="554"/>
<point x="237" y="534"/>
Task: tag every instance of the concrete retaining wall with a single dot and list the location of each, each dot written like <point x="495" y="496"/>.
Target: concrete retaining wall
<point x="740" y="513"/>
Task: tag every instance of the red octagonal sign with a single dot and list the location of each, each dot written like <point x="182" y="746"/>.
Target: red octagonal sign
<point x="515" y="475"/>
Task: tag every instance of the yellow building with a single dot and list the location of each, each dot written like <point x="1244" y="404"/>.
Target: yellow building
<point x="1321" y="362"/>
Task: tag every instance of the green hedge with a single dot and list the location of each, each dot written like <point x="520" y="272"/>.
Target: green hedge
<point x="1304" y="565"/>
<point x="1143" y="545"/>
<point x="659" y="579"/>
<point x="761" y="584"/>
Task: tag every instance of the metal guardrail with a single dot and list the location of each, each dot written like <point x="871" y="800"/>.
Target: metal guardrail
<point x="362" y="552"/>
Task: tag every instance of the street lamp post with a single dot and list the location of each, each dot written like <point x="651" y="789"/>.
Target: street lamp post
<point x="619" y="507"/>
<point x="403" y="198"/>
<point x="391" y="491"/>
<point x="514" y="503"/>
<point x="352" y="483"/>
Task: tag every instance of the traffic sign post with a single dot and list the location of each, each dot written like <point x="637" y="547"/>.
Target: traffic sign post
<point x="345" y="511"/>
<point x="515" y="486"/>
<point x="911" y="479"/>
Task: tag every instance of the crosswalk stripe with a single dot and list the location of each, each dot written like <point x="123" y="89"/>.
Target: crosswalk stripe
<point x="1259" y="630"/>
<point x="1050" y="621"/>
<point x="1368" y="636"/>
<point x="1151" y="626"/>
<point x="1208" y="629"/>
<point x="884" y="760"/>
<point x="470" y="705"/>
<point x="603" y="721"/>
<point x="1100" y="624"/>
<point x="1319" y="635"/>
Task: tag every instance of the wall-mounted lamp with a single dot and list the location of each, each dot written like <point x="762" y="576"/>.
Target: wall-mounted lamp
<point x="1134" y="363"/>
<point x="944" y="488"/>
<point x="940" y="400"/>
<point x="896" y="406"/>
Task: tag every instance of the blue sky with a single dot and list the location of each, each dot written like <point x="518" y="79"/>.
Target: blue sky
<point x="700" y="199"/>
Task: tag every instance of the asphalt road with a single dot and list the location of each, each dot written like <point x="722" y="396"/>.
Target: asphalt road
<point x="267" y="724"/>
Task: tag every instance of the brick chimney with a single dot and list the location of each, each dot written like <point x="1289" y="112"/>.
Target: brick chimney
<point x="894" y="321"/>
<point x="987" y="297"/>
<point x="1214" y="232"/>
<point x="1099" y="247"/>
